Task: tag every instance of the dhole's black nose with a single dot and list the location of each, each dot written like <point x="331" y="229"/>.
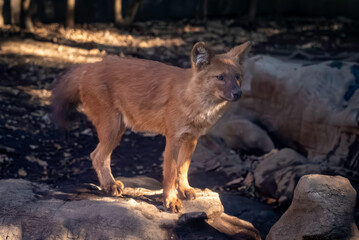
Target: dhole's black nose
<point x="236" y="95"/>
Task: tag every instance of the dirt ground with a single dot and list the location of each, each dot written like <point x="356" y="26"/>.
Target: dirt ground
<point x="30" y="145"/>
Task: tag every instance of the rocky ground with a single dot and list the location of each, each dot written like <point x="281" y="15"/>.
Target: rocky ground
<point x="32" y="148"/>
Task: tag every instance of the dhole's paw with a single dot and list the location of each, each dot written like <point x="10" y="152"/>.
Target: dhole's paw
<point x="115" y="189"/>
<point x="173" y="204"/>
<point x="186" y="193"/>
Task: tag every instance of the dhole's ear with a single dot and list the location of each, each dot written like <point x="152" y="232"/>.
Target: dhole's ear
<point x="201" y="55"/>
<point x="239" y="53"/>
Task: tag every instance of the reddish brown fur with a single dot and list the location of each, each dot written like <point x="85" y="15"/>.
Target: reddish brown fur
<point x="149" y="96"/>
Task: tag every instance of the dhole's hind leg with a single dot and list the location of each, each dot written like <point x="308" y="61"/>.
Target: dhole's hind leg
<point x="109" y="133"/>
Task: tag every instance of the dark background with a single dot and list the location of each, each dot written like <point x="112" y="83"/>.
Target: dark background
<point x="89" y="11"/>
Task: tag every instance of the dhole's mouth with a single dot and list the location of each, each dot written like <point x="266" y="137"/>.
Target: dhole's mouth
<point x="229" y="99"/>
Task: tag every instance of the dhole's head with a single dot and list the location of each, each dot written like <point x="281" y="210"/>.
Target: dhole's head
<point x="219" y="76"/>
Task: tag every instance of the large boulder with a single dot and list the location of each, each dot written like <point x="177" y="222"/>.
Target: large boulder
<point x="214" y="164"/>
<point x="278" y="172"/>
<point x="36" y="211"/>
<point x="241" y="134"/>
<point x="312" y="108"/>
<point x="322" y="208"/>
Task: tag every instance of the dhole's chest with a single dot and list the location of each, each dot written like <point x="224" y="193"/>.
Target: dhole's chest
<point x="210" y="115"/>
<point x="198" y="124"/>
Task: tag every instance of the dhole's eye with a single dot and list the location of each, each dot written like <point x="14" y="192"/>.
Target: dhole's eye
<point x="220" y="77"/>
<point x="237" y="76"/>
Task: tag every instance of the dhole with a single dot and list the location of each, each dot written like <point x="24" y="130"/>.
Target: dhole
<point x="149" y="96"/>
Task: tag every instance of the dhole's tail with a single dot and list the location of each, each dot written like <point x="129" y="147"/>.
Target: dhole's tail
<point x="65" y="97"/>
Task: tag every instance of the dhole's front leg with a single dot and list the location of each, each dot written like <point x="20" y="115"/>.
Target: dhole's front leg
<point x="170" y="198"/>
<point x="185" y="191"/>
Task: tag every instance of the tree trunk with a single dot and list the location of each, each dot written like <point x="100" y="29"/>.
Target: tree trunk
<point x="26" y="21"/>
<point x="70" y="13"/>
<point x="132" y="10"/>
<point x="205" y="9"/>
<point x="252" y="10"/>
<point x="1" y="16"/>
<point x="278" y="8"/>
<point x="15" y="11"/>
<point x="118" y="12"/>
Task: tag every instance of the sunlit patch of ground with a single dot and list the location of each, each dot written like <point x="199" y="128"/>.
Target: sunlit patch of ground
<point x="17" y="52"/>
<point x="42" y="96"/>
<point x="108" y="35"/>
<point x="54" y="46"/>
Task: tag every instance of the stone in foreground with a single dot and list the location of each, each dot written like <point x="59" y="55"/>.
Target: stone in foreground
<point x="35" y="211"/>
<point x="322" y="208"/>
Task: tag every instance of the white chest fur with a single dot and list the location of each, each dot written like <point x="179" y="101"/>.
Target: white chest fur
<point x="210" y="114"/>
<point x="202" y="121"/>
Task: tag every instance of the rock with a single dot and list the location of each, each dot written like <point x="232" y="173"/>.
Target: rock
<point x="35" y="211"/>
<point x="261" y="215"/>
<point x="216" y="27"/>
<point x="322" y="208"/>
<point x="241" y="134"/>
<point x="141" y="181"/>
<point x="309" y="107"/>
<point x="207" y="155"/>
<point x="277" y="174"/>
<point x="214" y="157"/>
<point x="235" y="227"/>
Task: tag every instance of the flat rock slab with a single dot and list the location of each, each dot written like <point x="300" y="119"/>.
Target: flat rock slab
<point x="35" y="211"/>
